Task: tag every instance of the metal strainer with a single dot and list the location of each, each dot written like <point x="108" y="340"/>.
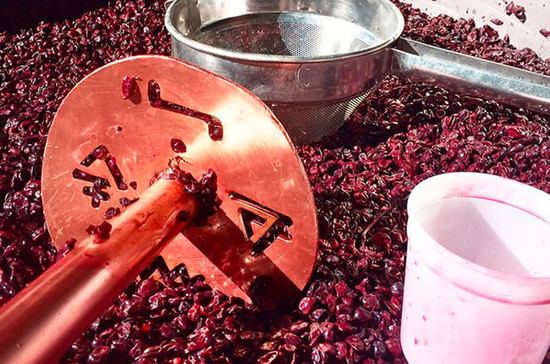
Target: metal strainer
<point x="311" y="61"/>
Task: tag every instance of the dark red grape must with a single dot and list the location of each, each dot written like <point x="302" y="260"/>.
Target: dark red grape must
<point x="361" y="177"/>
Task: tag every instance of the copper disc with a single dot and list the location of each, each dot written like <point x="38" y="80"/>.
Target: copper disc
<point x="260" y="178"/>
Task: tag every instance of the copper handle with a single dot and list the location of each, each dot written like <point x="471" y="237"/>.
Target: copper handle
<point x="43" y="320"/>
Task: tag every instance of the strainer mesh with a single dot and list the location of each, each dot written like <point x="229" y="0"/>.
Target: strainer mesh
<point x="301" y="35"/>
<point x="309" y="123"/>
<point x="262" y="34"/>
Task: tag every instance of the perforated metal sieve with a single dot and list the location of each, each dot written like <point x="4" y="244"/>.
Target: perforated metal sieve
<point x="311" y="61"/>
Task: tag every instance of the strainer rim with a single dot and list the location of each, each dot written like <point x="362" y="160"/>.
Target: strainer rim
<point x="271" y="58"/>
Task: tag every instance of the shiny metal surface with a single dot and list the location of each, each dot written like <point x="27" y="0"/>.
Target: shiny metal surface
<point x="290" y="53"/>
<point x="45" y="318"/>
<point x="312" y="89"/>
<point x="299" y="84"/>
<point x="255" y="159"/>
<point x="471" y="75"/>
<point x="328" y="30"/>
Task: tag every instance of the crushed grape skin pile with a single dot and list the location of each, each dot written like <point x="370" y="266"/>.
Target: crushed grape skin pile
<point x="361" y="177"/>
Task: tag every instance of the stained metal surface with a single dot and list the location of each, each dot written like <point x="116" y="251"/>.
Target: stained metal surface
<point x="255" y="159"/>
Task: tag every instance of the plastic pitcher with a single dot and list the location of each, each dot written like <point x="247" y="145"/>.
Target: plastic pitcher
<point x="477" y="282"/>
